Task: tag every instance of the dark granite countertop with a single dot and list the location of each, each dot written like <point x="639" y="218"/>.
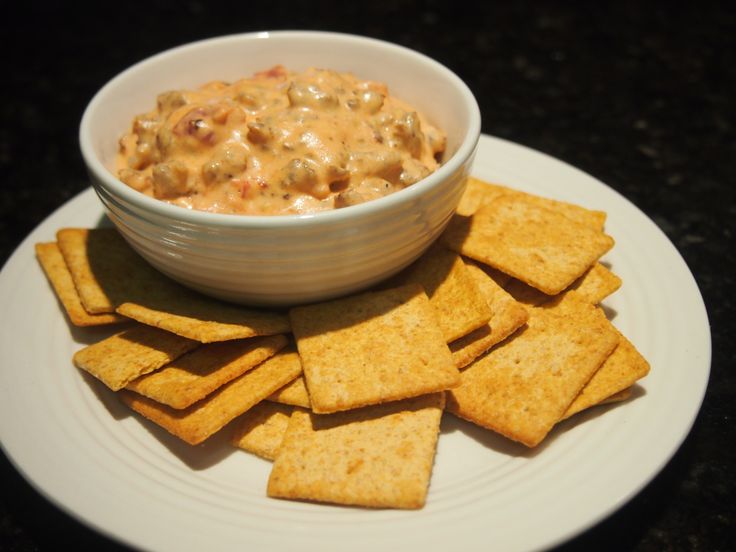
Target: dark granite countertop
<point x="640" y="95"/>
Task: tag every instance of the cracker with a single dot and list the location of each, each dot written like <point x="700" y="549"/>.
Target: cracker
<point x="621" y="396"/>
<point x="104" y="268"/>
<point x="521" y="388"/>
<point x="497" y="276"/>
<point x="52" y="262"/>
<point x="536" y="245"/>
<point x="200" y="372"/>
<point x="378" y="457"/>
<point x="479" y="193"/>
<point x="371" y="348"/>
<point x="458" y="303"/>
<point x="595" y="285"/>
<point x="508" y="316"/>
<point x="591" y="218"/>
<point x="199" y="421"/>
<point x="110" y="276"/>
<point x="526" y="294"/>
<point x="621" y="370"/>
<point x="206" y="320"/>
<point x="261" y="429"/>
<point x="293" y="393"/>
<point x="121" y="358"/>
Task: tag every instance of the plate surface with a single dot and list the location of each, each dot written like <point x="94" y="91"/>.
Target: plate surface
<point x="82" y="449"/>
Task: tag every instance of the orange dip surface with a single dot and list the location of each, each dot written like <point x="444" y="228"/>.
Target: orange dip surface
<point x="278" y="143"/>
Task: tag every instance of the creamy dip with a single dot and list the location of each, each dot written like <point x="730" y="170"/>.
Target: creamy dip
<point x="278" y="143"/>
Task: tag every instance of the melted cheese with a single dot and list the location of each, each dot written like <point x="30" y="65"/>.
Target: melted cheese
<point x="278" y="143"/>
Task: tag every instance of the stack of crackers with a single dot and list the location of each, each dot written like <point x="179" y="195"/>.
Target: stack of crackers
<point x="499" y="323"/>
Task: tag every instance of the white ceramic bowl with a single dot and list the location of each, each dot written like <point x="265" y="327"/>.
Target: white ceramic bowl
<point x="283" y="260"/>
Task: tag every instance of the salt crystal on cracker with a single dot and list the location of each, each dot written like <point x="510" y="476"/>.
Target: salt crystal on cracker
<point x="523" y="387"/>
<point x="538" y="246"/>
<point x="379" y="456"/>
<point x="195" y="375"/>
<point x="371" y="348"/>
<point x="121" y="358"/>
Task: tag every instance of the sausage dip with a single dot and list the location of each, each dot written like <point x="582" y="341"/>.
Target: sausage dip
<point x="278" y="143"/>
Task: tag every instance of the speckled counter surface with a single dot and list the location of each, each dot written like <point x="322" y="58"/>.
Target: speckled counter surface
<point x="642" y="98"/>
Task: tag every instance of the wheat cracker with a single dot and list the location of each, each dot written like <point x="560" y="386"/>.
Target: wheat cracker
<point x="595" y="285"/>
<point x="105" y="269"/>
<point x="379" y="456"/>
<point x="123" y="357"/>
<point x="459" y="305"/>
<point x="261" y="429"/>
<point x="620" y="371"/>
<point x="507" y="316"/>
<point x="478" y="193"/>
<point x="51" y="260"/>
<point x="522" y="387"/>
<point x="199" y="421"/>
<point x="202" y="318"/>
<point x="538" y="246"/>
<point x="195" y="375"/>
<point x="370" y="348"/>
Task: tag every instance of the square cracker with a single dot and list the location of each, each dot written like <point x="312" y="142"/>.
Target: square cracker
<point x="595" y="285"/>
<point x="199" y="421"/>
<point x="522" y="388"/>
<point x="104" y="268"/>
<point x="459" y="304"/>
<point x="538" y="246"/>
<point x="618" y="397"/>
<point x="262" y="428"/>
<point x="207" y="320"/>
<point x="121" y="358"/>
<point x="52" y="262"/>
<point x="371" y="348"/>
<point x="478" y="193"/>
<point x="378" y="457"/>
<point x="508" y="316"/>
<point x="295" y="392"/>
<point x="619" y="372"/>
<point x="195" y="375"/>
<point x="110" y="276"/>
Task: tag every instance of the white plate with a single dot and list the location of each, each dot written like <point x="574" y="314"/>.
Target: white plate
<point x="127" y="478"/>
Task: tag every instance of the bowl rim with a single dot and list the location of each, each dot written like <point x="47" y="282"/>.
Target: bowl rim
<point x="115" y="187"/>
